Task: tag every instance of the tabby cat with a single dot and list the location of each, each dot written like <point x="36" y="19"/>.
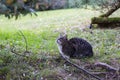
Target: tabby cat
<point x="74" y="47"/>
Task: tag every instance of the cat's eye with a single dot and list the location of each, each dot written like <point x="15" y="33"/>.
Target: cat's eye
<point x="60" y="39"/>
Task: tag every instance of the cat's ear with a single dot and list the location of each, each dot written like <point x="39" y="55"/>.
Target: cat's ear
<point x="61" y="35"/>
<point x="65" y="36"/>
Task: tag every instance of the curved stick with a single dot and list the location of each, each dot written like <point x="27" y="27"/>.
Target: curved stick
<point x="26" y="44"/>
<point x="75" y="65"/>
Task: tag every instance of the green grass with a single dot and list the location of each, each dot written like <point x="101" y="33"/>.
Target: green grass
<point x="116" y="13"/>
<point x="42" y="31"/>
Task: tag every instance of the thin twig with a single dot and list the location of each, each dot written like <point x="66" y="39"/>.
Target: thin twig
<point x="12" y="49"/>
<point x="99" y="73"/>
<point x="24" y="39"/>
<point x="106" y="66"/>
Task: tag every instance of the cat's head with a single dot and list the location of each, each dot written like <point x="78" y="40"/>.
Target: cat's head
<point x="62" y="39"/>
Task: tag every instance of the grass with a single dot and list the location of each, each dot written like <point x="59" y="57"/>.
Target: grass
<point x="41" y="32"/>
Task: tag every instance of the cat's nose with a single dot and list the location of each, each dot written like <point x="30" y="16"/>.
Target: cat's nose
<point x="58" y="41"/>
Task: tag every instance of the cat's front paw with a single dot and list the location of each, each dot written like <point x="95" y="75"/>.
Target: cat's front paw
<point x="77" y="56"/>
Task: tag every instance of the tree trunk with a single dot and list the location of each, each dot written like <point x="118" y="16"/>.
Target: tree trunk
<point x="116" y="7"/>
<point x="104" y="22"/>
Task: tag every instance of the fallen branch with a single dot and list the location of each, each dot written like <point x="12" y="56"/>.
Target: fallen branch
<point x="78" y="67"/>
<point x="99" y="73"/>
<point x="107" y="67"/>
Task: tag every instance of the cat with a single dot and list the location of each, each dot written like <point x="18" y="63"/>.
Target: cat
<point x="74" y="48"/>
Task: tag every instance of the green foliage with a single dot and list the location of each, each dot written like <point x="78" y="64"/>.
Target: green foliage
<point x="96" y="4"/>
<point x="14" y="66"/>
<point x="83" y="3"/>
<point x="15" y="8"/>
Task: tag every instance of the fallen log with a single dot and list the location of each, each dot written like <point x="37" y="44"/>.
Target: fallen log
<point x="106" y="22"/>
